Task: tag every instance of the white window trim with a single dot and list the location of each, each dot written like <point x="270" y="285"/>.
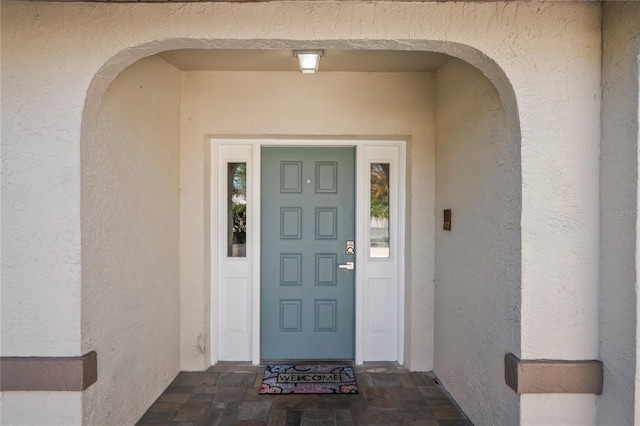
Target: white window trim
<point x="249" y="150"/>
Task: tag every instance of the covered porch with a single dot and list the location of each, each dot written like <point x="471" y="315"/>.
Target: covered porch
<point x="227" y="394"/>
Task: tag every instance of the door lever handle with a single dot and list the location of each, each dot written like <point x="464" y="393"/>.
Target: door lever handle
<point x="348" y="265"/>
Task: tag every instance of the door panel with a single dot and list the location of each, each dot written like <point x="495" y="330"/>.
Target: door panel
<point x="308" y="214"/>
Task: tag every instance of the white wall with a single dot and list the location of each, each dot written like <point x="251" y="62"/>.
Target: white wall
<point x="477" y="263"/>
<point x="618" y="214"/>
<point x="289" y="103"/>
<point x="130" y="243"/>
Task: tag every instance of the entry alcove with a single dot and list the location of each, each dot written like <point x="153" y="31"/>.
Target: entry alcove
<point x="148" y="204"/>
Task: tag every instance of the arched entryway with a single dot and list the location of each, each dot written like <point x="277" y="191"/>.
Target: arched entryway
<point x="462" y="134"/>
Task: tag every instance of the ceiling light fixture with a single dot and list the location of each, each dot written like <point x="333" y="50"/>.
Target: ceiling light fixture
<point x="308" y="60"/>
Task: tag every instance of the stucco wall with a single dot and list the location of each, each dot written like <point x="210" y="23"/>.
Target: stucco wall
<point x="542" y="57"/>
<point x="325" y="104"/>
<point x="41" y="408"/>
<point x="618" y="214"/>
<point x="477" y="263"/>
<point x="130" y="243"/>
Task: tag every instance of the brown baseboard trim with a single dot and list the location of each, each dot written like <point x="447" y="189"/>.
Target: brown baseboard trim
<point x="553" y="376"/>
<point x="48" y="373"/>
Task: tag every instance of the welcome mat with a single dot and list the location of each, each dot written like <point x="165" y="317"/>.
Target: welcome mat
<point x="320" y="378"/>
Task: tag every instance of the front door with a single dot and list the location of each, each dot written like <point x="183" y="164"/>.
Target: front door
<point x="307" y="286"/>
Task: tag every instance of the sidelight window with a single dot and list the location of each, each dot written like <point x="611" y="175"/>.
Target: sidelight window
<point x="379" y="211"/>
<point x="237" y="209"/>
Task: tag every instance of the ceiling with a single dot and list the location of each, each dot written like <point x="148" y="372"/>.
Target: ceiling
<point x="284" y="60"/>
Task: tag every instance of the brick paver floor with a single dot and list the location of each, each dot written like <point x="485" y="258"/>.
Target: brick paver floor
<point x="228" y="395"/>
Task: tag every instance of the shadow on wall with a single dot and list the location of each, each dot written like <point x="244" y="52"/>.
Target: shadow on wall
<point x="130" y="225"/>
<point x="477" y="262"/>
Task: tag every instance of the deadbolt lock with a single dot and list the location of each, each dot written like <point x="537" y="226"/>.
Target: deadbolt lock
<point x="350" y="248"/>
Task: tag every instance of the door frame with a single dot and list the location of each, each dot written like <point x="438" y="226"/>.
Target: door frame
<point x="251" y="147"/>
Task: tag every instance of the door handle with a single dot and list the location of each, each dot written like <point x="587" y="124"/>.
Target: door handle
<point x="348" y="265"/>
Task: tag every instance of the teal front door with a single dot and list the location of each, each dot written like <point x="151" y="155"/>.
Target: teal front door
<point x="308" y="216"/>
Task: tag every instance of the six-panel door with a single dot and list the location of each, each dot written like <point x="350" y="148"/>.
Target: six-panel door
<point x="308" y="215"/>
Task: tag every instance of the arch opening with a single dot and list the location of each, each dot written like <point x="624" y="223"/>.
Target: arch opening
<point x="464" y="159"/>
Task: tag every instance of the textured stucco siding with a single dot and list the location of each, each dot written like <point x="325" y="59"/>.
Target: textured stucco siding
<point x="130" y="243"/>
<point x="477" y="263"/>
<point x="40" y="195"/>
<point x="560" y="157"/>
<point x="41" y="408"/>
<point x="618" y="214"/>
<point x="326" y="104"/>
<point x="542" y="57"/>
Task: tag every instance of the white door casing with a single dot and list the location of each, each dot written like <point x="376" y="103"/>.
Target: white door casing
<point x="235" y="281"/>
